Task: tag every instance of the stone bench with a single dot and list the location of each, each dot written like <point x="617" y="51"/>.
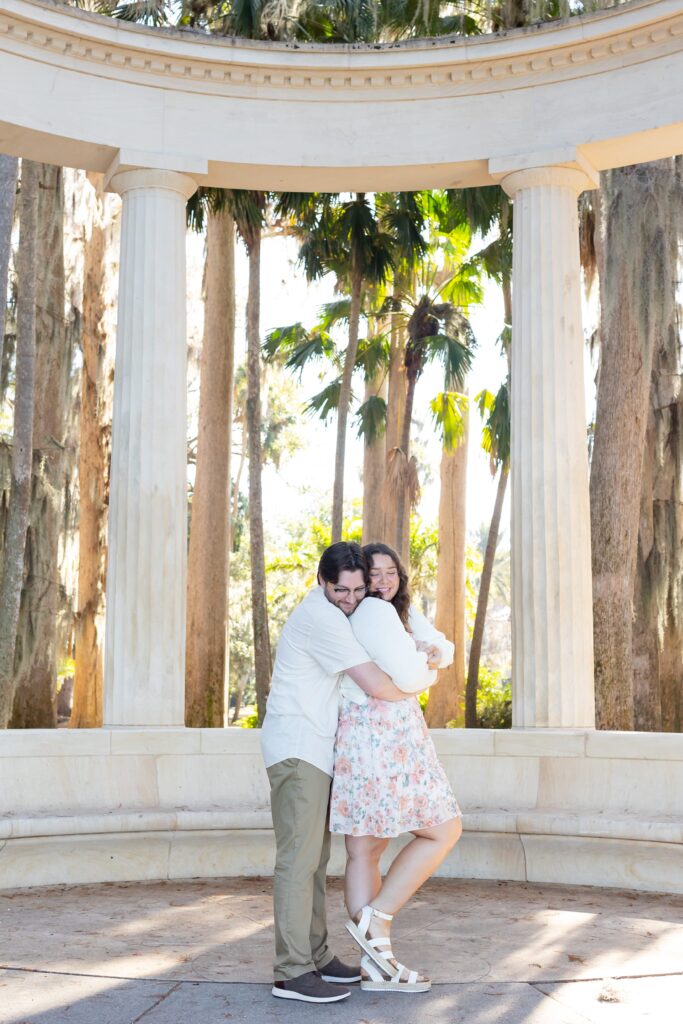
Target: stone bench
<point x="111" y="805"/>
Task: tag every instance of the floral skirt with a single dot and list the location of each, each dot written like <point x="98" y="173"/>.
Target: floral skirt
<point x="387" y="777"/>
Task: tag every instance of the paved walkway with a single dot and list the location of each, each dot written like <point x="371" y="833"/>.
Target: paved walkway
<point x="199" y="953"/>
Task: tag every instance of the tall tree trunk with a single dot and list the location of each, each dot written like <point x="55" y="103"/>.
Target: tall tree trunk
<point x="8" y="191"/>
<point x="208" y="561"/>
<point x="22" y="439"/>
<point x="93" y="471"/>
<point x="43" y="601"/>
<point x="259" y="605"/>
<point x="636" y="296"/>
<point x="396" y="402"/>
<point x="471" y="721"/>
<point x="344" y="403"/>
<point x="374" y="466"/>
<point x="402" y="477"/>
<point x="445" y="700"/>
<point x="658" y="597"/>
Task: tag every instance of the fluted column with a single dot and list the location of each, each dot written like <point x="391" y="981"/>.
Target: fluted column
<point x="146" y="572"/>
<point x="552" y="626"/>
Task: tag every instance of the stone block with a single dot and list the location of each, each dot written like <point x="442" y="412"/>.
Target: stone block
<point x="213" y="780"/>
<point x="233" y="740"/>
<point x="53" y="743"/>
<point x="612" y="863"/>
<point x="220" y="854"/>
<point x="485" y="855"/>
<point x="540" y="742"/>
<point x="653" y="746"/>
<point x="649" y="788"/>
<point x="463" y="742"/>
<point x="45" y="785"/>
<point x="71" y="860"/>
<point x="493" y="782"/>
<point x="165" y="740"/>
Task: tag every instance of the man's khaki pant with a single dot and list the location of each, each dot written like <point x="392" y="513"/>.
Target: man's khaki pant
<point x="299" y="798"/>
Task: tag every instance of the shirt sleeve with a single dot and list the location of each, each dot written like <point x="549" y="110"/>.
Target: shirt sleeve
<point x="377" y="627"/>
<point x="332" y="642"/>
<point x="424" y="630"/>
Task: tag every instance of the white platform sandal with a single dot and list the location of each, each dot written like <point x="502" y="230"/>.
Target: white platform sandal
<point x="379" y="950"/>
<point x="378" y="981"/>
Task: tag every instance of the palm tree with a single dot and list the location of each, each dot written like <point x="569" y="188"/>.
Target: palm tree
<point x="22" y="439"/>
<point x="451" y="412"/>
<point x="345" y="237"/>
<point x="437" y="328"/>
<point x="249" y="212"/>
<point x="209" y="548"/>
<point x="496" y="441"/>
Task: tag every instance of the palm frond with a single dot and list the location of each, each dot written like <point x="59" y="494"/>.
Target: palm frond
<point x="373" y="355"/>
<point x="295" y="347"/>
<point x="326" y="402"/>
<point x="449" y="409"/>
<point x="372" y="419"/>
<point x="495" y="435"/>
<point x="455" y="355"/>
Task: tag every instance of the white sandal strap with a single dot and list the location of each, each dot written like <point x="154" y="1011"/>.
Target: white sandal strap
<point x="383" y="940"/>
<point x="381" y="914"/>
<point x="371" y="969"/>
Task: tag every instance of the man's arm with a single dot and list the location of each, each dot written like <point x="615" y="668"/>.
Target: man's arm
<point x="376" y="683"/>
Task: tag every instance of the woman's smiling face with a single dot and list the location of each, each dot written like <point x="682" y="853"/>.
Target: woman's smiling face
<point x="384" y="577"/>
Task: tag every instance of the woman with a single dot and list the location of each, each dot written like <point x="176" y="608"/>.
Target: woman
<point x="387" y="778"/>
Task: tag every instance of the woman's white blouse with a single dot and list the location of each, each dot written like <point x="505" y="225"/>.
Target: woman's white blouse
<point x="377" y="627"/>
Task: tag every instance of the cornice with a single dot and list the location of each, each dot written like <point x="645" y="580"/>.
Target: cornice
<point x="578" y="47"/>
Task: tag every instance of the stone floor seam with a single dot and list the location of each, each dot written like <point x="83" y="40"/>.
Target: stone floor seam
<point x="549" y="995"/>
<point x="157" y="1002"/>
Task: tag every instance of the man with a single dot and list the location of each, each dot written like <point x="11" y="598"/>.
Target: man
<point x="317" y="645"/>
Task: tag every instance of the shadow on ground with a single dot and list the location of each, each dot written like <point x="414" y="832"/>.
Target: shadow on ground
<point x="162" y="952"/>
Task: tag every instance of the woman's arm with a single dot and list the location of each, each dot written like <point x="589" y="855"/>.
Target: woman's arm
<point x="377" y="627"/>
<point x="426" y="633"/>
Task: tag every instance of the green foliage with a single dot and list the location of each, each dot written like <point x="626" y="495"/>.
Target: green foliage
<point x="494" y="701"/>
<point x="249" y="721"/>
<point x="495" y="435"/>
<point x="449" y="409"/>
<point x="372" y="418"/>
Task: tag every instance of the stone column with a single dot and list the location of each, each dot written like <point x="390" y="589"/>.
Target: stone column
<point x="146" y="572"/>
<point x="552" y="623"/>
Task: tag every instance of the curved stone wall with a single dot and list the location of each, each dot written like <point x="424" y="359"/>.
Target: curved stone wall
<point x="571" y="806"/>
<point x="82" y="90"/>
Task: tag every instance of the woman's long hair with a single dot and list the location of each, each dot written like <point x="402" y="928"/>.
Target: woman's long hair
<point x="401" y="599"/>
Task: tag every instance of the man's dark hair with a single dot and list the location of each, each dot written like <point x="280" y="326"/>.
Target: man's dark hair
<point x="340" y="557"/>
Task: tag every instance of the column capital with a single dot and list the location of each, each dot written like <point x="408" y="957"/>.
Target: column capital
<point x="563" y="167"/>
<point x="133" y="169"/>
<point x="152" y="178"/>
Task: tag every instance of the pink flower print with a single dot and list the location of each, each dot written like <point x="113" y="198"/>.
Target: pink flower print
<point x="369" y="790"/>
<point x="342" y="766"/>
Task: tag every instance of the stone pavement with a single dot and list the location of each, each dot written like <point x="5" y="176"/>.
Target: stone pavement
<point x="199" y="951"/>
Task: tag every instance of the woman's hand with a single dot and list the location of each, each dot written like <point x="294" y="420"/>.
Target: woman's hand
<point x="432" y="651"/>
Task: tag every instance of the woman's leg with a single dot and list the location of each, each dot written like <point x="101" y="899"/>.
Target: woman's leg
<point x="362" y="879"/>
<point x="410" y="868"/>
<point x="416" y="863"/>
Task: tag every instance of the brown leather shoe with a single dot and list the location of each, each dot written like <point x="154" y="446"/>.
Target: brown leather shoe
<point x="309" y="988"/>
<point x="339" y="973"/>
